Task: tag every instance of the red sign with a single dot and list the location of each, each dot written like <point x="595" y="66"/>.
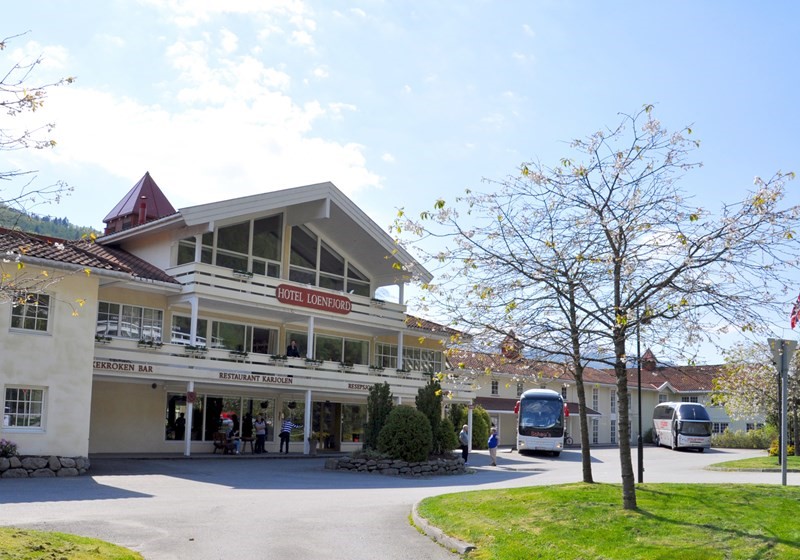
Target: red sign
<point x="303" y="297"/>
<point x="191" y="396"/>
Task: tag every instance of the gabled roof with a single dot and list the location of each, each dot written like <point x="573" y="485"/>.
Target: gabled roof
<point x="81" y="253"/>
<point x="322" y="205"/>
<point x="418" y="323"/>
<point x="156" y="204"/>
<point x="681" y="379"/>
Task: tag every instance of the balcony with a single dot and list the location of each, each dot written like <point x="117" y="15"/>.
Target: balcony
<point x="131" y="358"/>
<point x="213" y="285"/>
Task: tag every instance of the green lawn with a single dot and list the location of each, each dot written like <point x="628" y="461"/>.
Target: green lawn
<point x="760" y="464"/>
<point x="586" y="521"/>
<point x="22" y="544"/>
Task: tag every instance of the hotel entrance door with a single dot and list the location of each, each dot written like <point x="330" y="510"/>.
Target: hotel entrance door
<point x="326" y="420"/>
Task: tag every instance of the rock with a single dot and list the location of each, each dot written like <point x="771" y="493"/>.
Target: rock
<point x="15" y="473"/>
<point x="34" y="463"/>
<point x="42" y="473"/>
<point x="67" y="471"/>
<point x="53" y="463"/>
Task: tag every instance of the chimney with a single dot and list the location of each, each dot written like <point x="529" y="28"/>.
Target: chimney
<point x="143" y="209"/>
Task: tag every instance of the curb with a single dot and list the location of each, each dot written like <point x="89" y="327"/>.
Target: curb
<point x="439" y="536"/>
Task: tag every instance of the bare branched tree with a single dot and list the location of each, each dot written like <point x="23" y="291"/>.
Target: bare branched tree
<point x="20" y="94"/>
<point x="577" y="257"/>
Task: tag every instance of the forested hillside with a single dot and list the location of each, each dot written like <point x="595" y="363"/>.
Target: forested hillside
<point x="42" y="225"/>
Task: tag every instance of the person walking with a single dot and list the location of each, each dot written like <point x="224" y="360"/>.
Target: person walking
<point x="260" y="426"/>
<point x="493" y="446"/>
<point x="286" y="432"/>
<point x="463" y="439"/>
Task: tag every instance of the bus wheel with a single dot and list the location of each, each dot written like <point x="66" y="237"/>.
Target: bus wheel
<point x="655" y="440"/>
<point x="556" y="453"/>
<point x="701" y="449"/>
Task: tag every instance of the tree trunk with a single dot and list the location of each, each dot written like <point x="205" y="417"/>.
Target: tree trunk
<point x="628" y="482"/>
<point x="586" y="454"/>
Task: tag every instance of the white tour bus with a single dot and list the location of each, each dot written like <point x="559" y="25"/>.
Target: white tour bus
<point x="682" y="424"/>
<point x="540" y="421"/>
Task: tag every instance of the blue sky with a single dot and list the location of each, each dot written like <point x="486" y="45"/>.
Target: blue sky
<point x="397" y="103"/>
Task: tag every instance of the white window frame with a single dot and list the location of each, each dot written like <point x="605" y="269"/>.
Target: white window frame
<point x="24" y="312"/>
<point x="8" y="414"/>
<point x="495" y="387"/>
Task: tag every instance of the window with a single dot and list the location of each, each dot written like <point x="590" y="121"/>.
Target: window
<point x="24" y="408"/>
<point x="417" y="359"/>
<point x="521" y="388"/>
<point x="595" y="399"/>
<point x="662" y="398"/>
<point x="253" y="246"/>
<point x="129" y="321"/>
<point x="495" y="385"/>
<point x="751" y="427"/>
<point x="211" y="414"/>
<point x="613" y="396"/>
<point x="354" y="418"/>
<point x="564" y="392"/>
<point x="422" y="359"/>
<point x="32" y="315"/>
<point x="613" y="431"/>
<point x="313" y="261"/>
<point x="386" y="355"/>
<point x="339" y="349"/>
<point x="719" y="427"/>
<point x="689" y="399"/>
<point x="595" y="430"/>
<point x="182" y="329"/>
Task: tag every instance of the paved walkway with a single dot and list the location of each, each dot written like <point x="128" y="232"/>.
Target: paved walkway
<point x="290" y="507"/>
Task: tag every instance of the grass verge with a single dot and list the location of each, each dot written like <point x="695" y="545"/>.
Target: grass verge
<point x="764" y="463"/>
<point x="22" y="544"/>
<point x="586" y="521"/>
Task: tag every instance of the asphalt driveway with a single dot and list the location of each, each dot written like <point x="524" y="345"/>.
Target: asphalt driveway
<point x="215" y="508"/>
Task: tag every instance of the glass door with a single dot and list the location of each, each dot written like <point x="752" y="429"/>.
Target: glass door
<point x="326" y="424"/>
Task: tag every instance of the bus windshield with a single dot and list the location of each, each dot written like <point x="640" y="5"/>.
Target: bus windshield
<point x="540" y="414"/>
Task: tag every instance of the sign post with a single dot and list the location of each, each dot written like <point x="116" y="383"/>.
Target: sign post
<point x="782" y="352"/>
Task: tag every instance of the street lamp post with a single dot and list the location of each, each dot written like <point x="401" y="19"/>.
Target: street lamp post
<point x="639" y="395"/>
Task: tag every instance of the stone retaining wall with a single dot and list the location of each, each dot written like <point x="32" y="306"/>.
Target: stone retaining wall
<point x="396" y="467"/>
<point x="42" y="467"/>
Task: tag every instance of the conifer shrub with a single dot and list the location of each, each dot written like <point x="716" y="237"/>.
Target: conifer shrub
<point x="406" y="435"/>
<point x="446" y="436"/>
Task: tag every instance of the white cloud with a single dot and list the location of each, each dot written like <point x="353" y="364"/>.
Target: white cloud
<point x="229" y="42"/>
<point x="406" y="88"/>
<point x="196" y="153"/>
<point x="388" y="158"/>
<point x="189" y="13"/>
<point x="527" y="30"/>
<point x="337" y="109"/>
<point x="358" y="12"/>
<point x="321" y="72"/>
<point x="114" y="41"/>
<point x="301" y="39"/>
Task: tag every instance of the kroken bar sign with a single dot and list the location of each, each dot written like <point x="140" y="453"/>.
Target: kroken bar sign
<point x="303" y="297"/>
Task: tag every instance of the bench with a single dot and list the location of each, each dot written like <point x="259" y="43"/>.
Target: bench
<point x="222" y="442"/>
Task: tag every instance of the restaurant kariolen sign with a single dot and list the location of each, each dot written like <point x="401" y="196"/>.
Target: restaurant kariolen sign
<point x="303" y="297"/>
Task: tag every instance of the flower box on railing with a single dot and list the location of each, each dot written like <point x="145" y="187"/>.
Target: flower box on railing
<point x="151" y="344"/>
<point x="312" y="363"/>
<point x="345" y="366"/>
<point x="377" y="302"/>
<point x="376" y="369"/>
<point x="242" y="274"/>
<point x="279" y="359"/>
<point x="404" y="371"/>
<point x="195" y="351"/>
<point x="238" y="354"/>
<point x="102" y="339"/>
